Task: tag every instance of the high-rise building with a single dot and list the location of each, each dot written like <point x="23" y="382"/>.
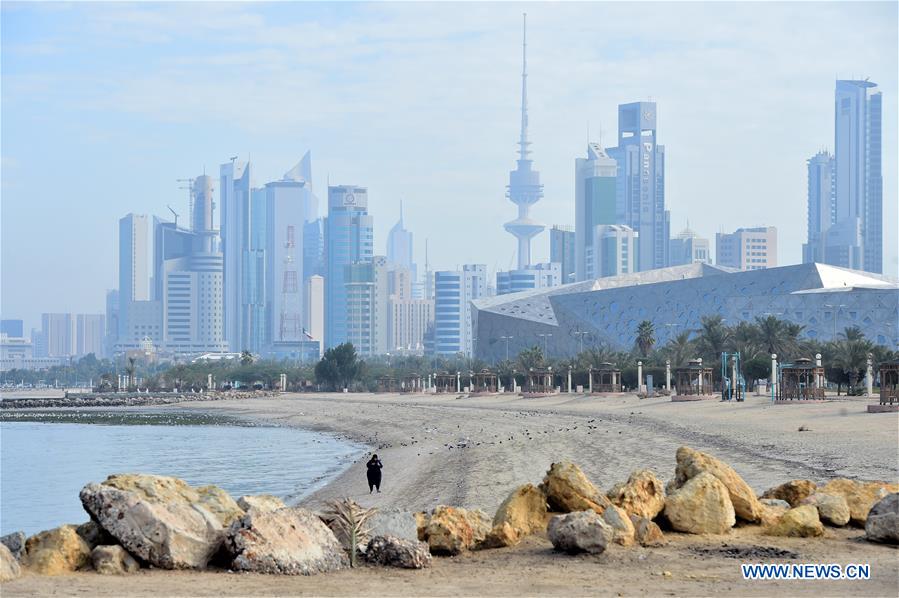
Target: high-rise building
<point x="562" y="250"/>
<point x="747" y="248"/>
<point x="90" y="330"/>
<point x="641" y="182"/>
<point x="400" y="247"/>
<point x="857" y="241"/>
<point x="687" y="248"/>
<point x="454" y="292"/>
<point x="367" y="308"/>
<point x="536" y="276"/>
<point x="314" y="304"/>
<point x="12" y="328"/>
<point x="60" y="334"/>
<point x="112" y="322"/>
<point x="241" y="289"/>
<point x="134" y="263"/>
<point x="314" y="248"/>
<point x="524" y="189"/>
<point x="615" y="250"/>
<point x="349" y="239"/>
<point x="595" y="201"/>
<point x="821" y="206"/>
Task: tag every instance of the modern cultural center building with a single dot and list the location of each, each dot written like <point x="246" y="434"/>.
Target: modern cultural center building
<point x="823" y="299"/>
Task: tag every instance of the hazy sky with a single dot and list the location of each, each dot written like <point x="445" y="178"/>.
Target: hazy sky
<point x="105" y="105"/>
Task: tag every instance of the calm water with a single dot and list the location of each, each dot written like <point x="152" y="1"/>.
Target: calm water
<point x="46" y="458"/>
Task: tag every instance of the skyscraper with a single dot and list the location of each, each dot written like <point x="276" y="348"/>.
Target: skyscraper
<point x="524" y="189"/>
<point x="562" y="250"/>
<point x="236" y="223"/>
<point x="399" y="246"/>
<point x="12" y="328"/>
<point x="134" y="260"/>
<point x="89" y="332"/>
<point x="688" y="248"/>
<point x="615" y="250"/>
<point x="595" y="203"/>
<point x="314" y="305"/>
<point x="641" y="182"/>
<point x="59" y="333"/>
<point x="454" y="291"/>
<point x="821" y="206"/>
<point x="349" y="239"/>
<point x="747" y="248"/>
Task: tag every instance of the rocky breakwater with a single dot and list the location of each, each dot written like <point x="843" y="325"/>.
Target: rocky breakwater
<point x="131" y="400"/>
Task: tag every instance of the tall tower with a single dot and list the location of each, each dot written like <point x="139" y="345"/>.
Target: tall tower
<point x="524" y="187"/>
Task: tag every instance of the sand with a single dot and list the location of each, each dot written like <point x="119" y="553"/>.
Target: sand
<point x="471" y="452"/>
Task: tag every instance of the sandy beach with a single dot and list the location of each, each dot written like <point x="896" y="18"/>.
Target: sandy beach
<point x="472" y="452"/>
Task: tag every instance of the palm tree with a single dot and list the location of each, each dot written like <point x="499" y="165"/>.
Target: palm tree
<point x="851" y="356"/>
<point x="646" y="338"/>
<point x="712" y="340"/>
<point x="679" y="349"/>
<point x="852" y="333"/>
<point x="247" y="358"/>
<point x="531" y="358"/>
<point x="778" y="336"/>
<point x="130" y="369"/>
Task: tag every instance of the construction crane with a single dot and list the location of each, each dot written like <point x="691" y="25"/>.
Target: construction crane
<point x="190" y="198"/>
<point x="172" y="210"/>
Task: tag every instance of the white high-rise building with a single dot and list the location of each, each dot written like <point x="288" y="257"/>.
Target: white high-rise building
<point x="59" y="334"/>
<point x="314" y="304"/>
<point x="89" y="334"/>
<point x="615" y="250"/>
<point x="747" y="248"/>
<point x="454" y="291"/>
<point x="235" y="229"/>
<point x="134" y="266"/>
<point x="595" y="201"/>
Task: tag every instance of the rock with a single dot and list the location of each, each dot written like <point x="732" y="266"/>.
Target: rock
<point x="883" y="521"/>
<point x="776" y="503"/>
<point x="793" y="491"/>
<point x="832" y="508"/>
<point x="421" y="525"/>
<point x="390" y="551"/>
<point x="642" y="495"/>
<point x="56" y="551"/>
<point x="165" y="530"/>
<point x="799" y="522"/>
<point x="646" y="532"/>
<point x="860" y="496"/>
<point x="771" y="513"/>
<point x="261" y="502"/>
<point x="500" y="536"/>
<point x="620" y="522"/>
<point x="94" y="535"/>
<point x="113" y="560"/>
<point x="15" y="542"/>
<point x="701" y="506"/>
<point x="163" y="489"/>
<point x="9" y="566"/>
<point x="524" y="509"/>
<point x="289" y="541"/>
<point x="582" y="531"/>
<point x="397" y="523"/>
<point x="567" y="490"/>
<point x="451" y="530"/>
<point x="690" y="463"/>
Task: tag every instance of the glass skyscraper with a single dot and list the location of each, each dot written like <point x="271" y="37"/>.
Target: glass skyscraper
<point x="595" y="203"/>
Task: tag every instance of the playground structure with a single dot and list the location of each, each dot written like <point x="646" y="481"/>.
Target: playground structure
<point x="733" y="385"/>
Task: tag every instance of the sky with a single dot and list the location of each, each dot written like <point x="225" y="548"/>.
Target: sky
<point x="105" y="105"/>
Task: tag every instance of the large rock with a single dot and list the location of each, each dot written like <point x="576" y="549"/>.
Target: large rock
<point x="620" y="522"/>
<point x="166" y="530"/>
<point x="397" y="523"/>
<point x="646" y="532"/>
<point x="883" y="521"/>
<point x="794" y="491"/>
<point x="15" y="542"/>
<point x="860" y="496"/>
<point x="568" y="490"/>
<point x="451" y="530"/>
<point x="390" y="551"/>
<point x="524" y="510"/>
<point x="500" y="536"/>
<point x="260" y="502"/>
<point x="701" y="506"/>
<point x="582" y="531"/>
<point x="94" y="535"/>
<point x="421" y="525"/>
<point x="290" y="541"/>
<point x="799" y="522"/>
<point x="643" y="494"/>
<point x="163" y="489"/>
<point x="113" y="560"/>
<point x="9" y="566"/>
<point x="691" y="463"/>
<point x="56" y="551"/>
<point x="832" y="508"/>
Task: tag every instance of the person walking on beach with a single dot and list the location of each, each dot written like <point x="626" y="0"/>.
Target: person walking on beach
<point x="374" y="466"/>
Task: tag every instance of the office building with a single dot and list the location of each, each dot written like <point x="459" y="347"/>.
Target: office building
<point x="596" y="203"/>
<point x="454" y="292"/>
<point x="561" y="250"/>
<point x="59" y="333"/>
<point x="12" y="328"/>
<point x="134" y="264"/>
<point x="90" y="330"/>
<point x="400" y="250"/>
<point x="314" y="305"/>
<point x="314" y="248"/>
<point x="524" y="189"/>
<point x="687" y="248"/>
<point x="641" y="182"/>
<point x="615" y="250"/>
<point x="821" y="206"/>
<point x="349" y="239"/>
<point x="367" y="306"/>
<point x="747" y="248"/>
<point x="536" y="276"/>
<point x="242" y="290"/>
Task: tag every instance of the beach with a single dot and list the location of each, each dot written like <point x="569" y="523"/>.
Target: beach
<point x="472" y="452"/>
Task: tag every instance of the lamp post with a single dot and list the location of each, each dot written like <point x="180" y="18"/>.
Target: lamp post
<point x="773" y="376"/>
<point x="836" y="309"/>
<point x="569" y="379"/>
<point x="458" y="381"/>
<point x="869" y="375"/>
<point x="819" y="377"/>
<point x="507" y="339"/>
<point x="544" y="336"/>
<point x="580" y="339"/>
<point x="668" y="375"/>
<point x="639" y="376"/>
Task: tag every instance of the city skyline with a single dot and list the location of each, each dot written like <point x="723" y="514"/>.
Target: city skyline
<point x="88" y="188"/>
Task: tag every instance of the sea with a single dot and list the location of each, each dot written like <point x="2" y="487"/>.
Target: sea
<point x="46" y="457"/>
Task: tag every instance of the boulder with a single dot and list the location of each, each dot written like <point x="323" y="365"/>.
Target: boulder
<point x="776" y="503"/>
<point x="166" y="531"/>
<point x="860" y="496"/>
<point x="289" y="541"/>
<point x="451" y="530"/>
<point x="832" y="508"/>
<point x="620" y="522"/>
<point x="260" y="502"/>
<point x="643" y="494"/>
<point x="113" y="560"/>
<point x="799" y="522"/>
<point x="646" y="532"/>
<point x="690" y="463"/>
<point x="793" y="491"/>
<point x="390" y="551"/>
<point x="883" y="520"/>
<point x="582" y="531"/>
<point x="771" y="513"/>
<point x="500" y="536"/>
<point x="701" y="506"/>
<point x="94" y="535"/>
<point x="421" y="525"/>
<point x="15" y="542"/>
<point x="524" y="510"/>
<point x="397" y="523"/>
<point x="568" y="490"/>
<point x="9" y="566"/>
<point x="56" y="551"/>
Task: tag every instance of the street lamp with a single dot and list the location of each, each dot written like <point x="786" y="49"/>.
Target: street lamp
<point x="544" y="336"/>
<point x="507" y="339"/>
<point x="580" y="334"/>
<point x="836" y="308"/>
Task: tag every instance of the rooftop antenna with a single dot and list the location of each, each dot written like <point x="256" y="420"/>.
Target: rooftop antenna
<point x="190" y="196"/>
